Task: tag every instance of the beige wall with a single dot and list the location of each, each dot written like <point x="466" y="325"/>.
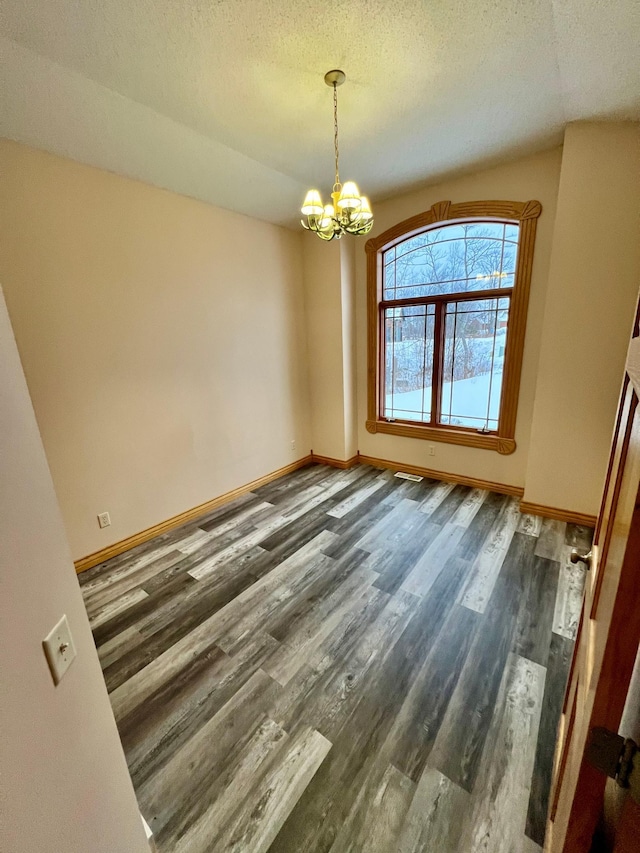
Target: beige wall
<point x="323" y="300"/>
<point x="349" y="345"/>
<point x="163" y="341"/>
<point x="535" y="177"/>
<point x="64" y="783"/>
<point x="330" y="281"/>
<point x="593" y="285"/>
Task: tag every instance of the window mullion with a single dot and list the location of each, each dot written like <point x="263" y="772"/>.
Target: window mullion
<point x="438" y="359"/>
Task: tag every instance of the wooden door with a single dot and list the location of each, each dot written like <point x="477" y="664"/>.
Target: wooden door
<point x="608" y="634"/>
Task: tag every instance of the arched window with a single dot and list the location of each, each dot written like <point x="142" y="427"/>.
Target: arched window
<point x="447" y="307"/>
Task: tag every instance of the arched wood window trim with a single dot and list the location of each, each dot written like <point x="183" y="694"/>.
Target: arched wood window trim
<point x="525" y="214"/>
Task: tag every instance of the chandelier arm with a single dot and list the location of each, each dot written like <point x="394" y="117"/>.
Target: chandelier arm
<point x="363" y="228"/>
<point x="315" y="227"/>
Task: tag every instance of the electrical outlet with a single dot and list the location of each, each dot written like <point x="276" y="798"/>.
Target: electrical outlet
<point x="59" y="649"/>
<point x="293" y="444"/>
<point x="432" y="450"/>
<point x="104" y="519"/>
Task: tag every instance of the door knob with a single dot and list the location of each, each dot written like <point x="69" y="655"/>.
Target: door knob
<point x="577" y="557"/>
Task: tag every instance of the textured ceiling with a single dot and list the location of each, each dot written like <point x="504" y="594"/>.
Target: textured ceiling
<point x="225" y="101"/>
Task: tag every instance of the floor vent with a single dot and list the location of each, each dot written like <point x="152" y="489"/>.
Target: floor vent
<point x="404" y="476"/>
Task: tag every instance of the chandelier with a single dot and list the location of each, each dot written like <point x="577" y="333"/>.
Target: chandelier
<point x="350" y="212"/>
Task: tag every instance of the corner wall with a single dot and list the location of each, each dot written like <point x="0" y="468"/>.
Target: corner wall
<point x="348" y="276"/>
<point x="163" y="341"/>
<point x="323" y="303"/>
<point x="329" y="276"/>
<point x="64" y="783"/>
<point x="593" y="286"/>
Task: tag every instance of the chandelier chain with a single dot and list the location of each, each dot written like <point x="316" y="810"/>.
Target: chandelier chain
<point x="335" y="132"/>
<point x="348" y="212"/>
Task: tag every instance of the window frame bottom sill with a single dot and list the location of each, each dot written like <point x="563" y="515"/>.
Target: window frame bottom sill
<point x="505" y="445"/>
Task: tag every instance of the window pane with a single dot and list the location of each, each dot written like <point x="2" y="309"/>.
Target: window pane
<point x="475" y="342"/>
<point x="451" y="259"/>
<point x="408" y="335"/>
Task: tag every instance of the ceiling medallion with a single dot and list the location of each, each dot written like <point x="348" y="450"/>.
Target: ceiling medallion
<point x="350" y="212"/>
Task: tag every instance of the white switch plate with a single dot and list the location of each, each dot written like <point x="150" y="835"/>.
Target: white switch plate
<point x="59" y="649"/>
<point x="432" y="450"/>
<point x="104" y="519"/>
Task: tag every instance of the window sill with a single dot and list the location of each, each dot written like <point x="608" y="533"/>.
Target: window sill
<point x="501" y="444"/>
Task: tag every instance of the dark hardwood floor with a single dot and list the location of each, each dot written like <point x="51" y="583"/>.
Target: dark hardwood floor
<point x="343" y="661"/>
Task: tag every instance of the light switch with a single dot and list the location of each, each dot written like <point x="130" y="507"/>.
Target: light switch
<point x="59" y="649"/>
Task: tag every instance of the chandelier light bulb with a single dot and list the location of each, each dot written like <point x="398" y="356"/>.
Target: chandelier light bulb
<point x="350" y="212"/>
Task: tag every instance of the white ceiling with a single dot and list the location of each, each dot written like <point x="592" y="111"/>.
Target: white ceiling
<point x="224" y="100"/>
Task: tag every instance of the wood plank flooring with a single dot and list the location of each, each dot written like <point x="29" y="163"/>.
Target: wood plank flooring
<point x="342" y="661"/>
